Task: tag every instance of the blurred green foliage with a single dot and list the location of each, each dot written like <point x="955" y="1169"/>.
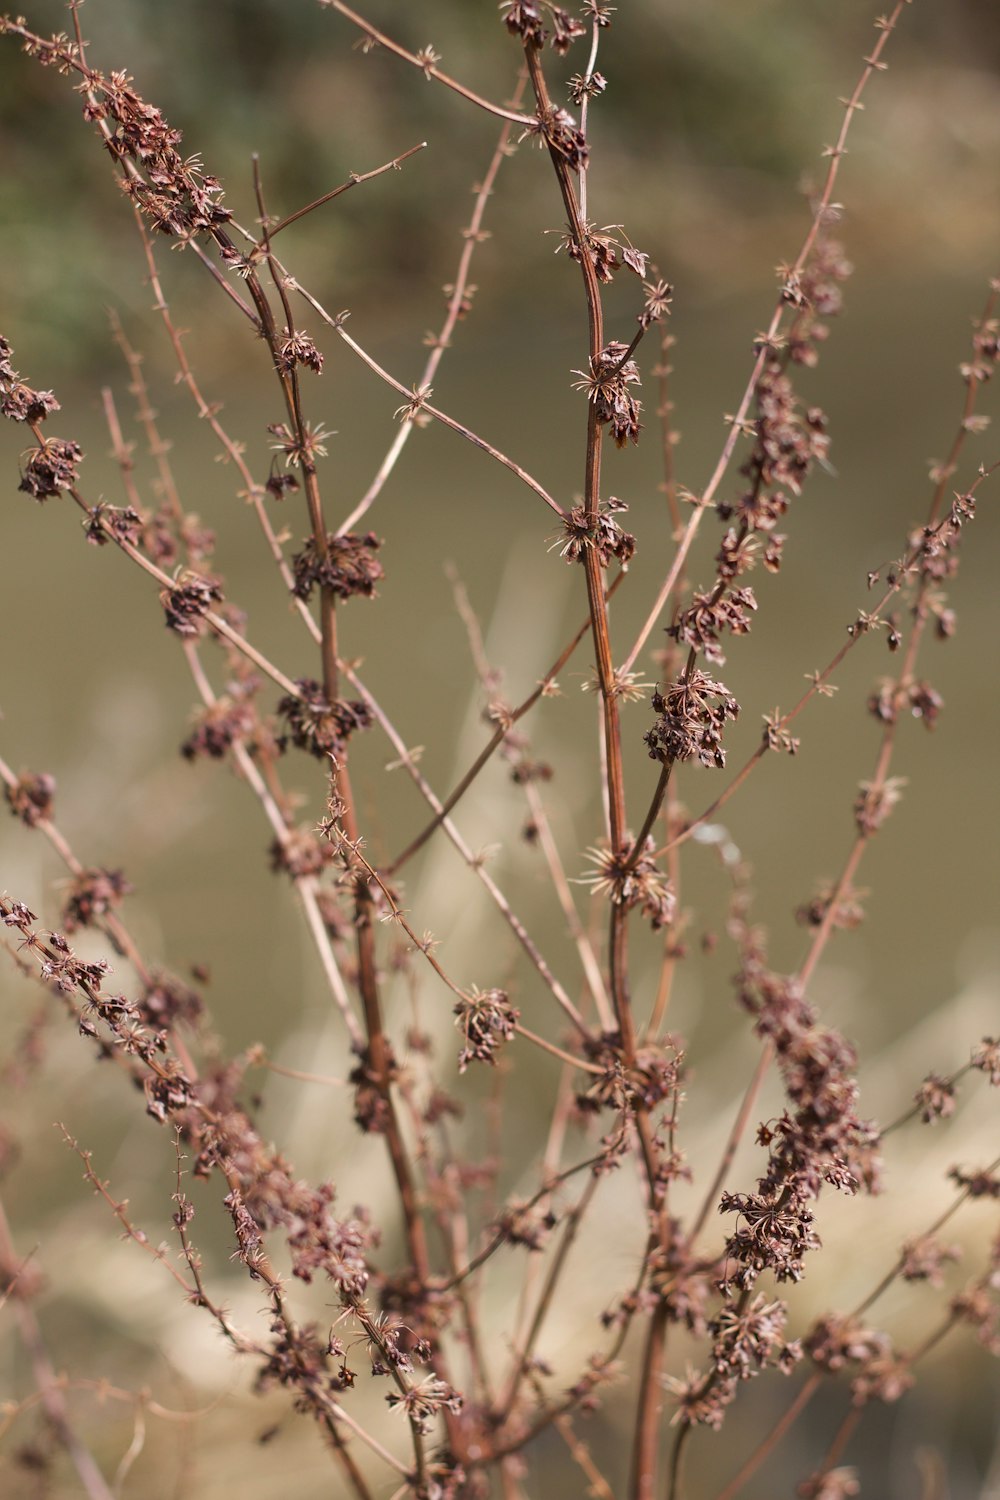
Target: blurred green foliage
<point x="714" y="109"/>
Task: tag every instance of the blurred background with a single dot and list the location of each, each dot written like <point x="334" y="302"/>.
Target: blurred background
<point x="705" y="148"/>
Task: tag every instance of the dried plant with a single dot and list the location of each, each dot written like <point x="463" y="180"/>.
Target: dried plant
<point x="437" y="1305"/>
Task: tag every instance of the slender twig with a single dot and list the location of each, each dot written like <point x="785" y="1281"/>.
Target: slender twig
<point x="473" y="234"/>
<point x="417" y="400"/>
<point x="545" y="686"/>
<point x="768" y="1444"/>
<point x="50" y="1390"/>
<point x="554" y="1274"/>
<point x="355" y="179"/>
<point x="426" y="63"/>
<point x="766" y="341"/>
<point x="406" y="759"/>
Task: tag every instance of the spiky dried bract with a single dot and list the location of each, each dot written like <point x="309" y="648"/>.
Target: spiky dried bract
<point x="372" y="1110"/>
<point x="301" y="445"/>
<point x="986" y="346"/>
<point x="652" y="1077"/>
<point x="788" y="440"/>
<point x="692" y="716"/>
<point x="604" y="535"/>
<point x="935" y="1098"/>
<point x="530" y="1226"/>
<point x="609" y="248"/>
<point x="556" y="128"/>
<point x="982" y="1182"/>
<point x="607" y="384"/>
<point x="175" y="194"/>
<point x="249" y="1241"/>
<point x="487" y="1020"/>
<point x="885" y="1378"/>
<point x="278" y="485"/>
<point x="709" y="616"/>
<point x="925" y="1259"/>
<point x="589" y="87"/>
<point x="848" y="909"/>
<point x="700" y="1401"/>
<point x="20" y="403"/>
<point x="659" y="296"/>
<point x="525" y="19"/>
<point x="298" y="348"/>
<point x="633" y="883"/>
<point x="777" y="736"/>
<point x="349" y="566"/>
<point x="840" y="1340"/>
<point x="815" y="293"/>
<point x="746" y="1341"/>
<point x="422" y="1403"/>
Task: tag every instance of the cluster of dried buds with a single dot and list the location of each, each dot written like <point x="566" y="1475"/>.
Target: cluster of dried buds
<point x="314" y="724"/>
<point x="607" y="385"/>
<point x="346" y="566"/>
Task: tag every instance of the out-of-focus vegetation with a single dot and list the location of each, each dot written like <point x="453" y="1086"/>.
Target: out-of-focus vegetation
<point x="712" y="109"/>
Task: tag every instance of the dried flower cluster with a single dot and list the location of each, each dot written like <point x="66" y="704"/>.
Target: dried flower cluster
<point x="118" y="523"/>
<point x="188" y="602"/>
<point x="486" y="1020"/>
<point x="607" y="386"/>
<point x="228" y="721"/>
<point x="819" y="1139"/>
<point x="346" y="565"/>
<point x="92" y="895"/>
<point x="604" y="534"/>
<point x="32" y="797"/>
<point x="18" y="402"/>
<point x="692" y="716"/>
<point x="313" y="724"/>
<point x="633" y="881"/>
<point x="710" y="616"/>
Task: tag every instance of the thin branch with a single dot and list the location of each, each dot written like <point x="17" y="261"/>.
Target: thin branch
<point x="48" y="1384"/>
<point x="417" y="400"/>
<point x="475" y="863"/>
<point x="553" y="1276"/>
<point x="544" y="688"/>
<point x="768" y="1444"/>
<point x="355" y="179"/>
<point x="426" y="63"/>
<point x="765" y="342"/>
<point x="473" y="234"/>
